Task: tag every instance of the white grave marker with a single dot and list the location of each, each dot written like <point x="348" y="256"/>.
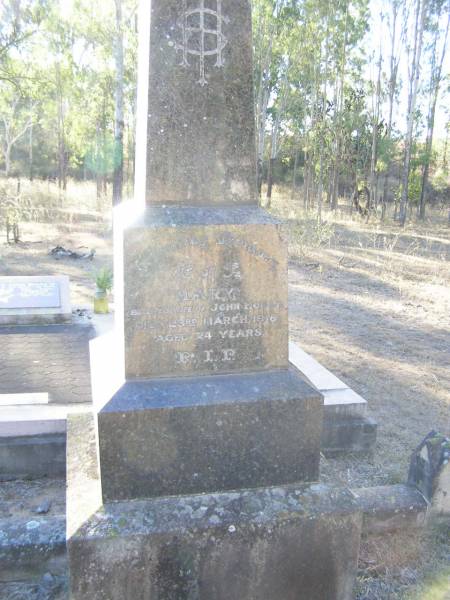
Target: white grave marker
<point x="34" y="300"/>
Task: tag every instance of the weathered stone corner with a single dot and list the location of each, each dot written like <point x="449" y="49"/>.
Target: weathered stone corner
<point x="430" y="472"/>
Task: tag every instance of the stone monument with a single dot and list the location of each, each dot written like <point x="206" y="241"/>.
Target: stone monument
<point x="207" y="414"/>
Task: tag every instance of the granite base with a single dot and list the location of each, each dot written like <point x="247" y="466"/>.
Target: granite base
<point x="290" y="543"/>
<point x="209" y="434"/>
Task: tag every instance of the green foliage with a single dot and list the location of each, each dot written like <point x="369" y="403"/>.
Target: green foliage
<point x="57" y="60"/>
<point x="314" y="99"/>
<point x="104" y="280"/>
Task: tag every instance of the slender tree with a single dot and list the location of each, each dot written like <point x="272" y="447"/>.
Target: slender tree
<point x="420" y="14"/>
<point x="436" y="76"/>
<point x="394" y="60"/>
<point x="119" y="115"/>
<point x="15" y="122"/>
<point x="375" y="130"/>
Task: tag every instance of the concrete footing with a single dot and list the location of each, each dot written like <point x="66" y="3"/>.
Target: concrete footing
<point x="391" y="508"/>
<point x="347" y="435"/>
<point x="33" y="456"/>
<point x="32" y="547"/>
<point x="33" y="438"/>
<point x="288" y="542"/>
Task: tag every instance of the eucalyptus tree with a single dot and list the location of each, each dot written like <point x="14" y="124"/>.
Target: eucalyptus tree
<point x="396" y="40"/>
<point x="272" y="25"/>
<point x="438" y="26"/>
<point x="414" y="50"/>
<point x="16" y="118"/>
<point x="19" y="22"/>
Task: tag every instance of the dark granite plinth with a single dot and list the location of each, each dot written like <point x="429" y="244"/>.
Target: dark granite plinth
<point x="283" y="543"/>
<point x="206" y="434"/>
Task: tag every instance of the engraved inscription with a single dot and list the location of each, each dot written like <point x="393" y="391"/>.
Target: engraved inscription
<point x="208" y="303"/>
<point x="32" y="294"/>
<point x="202" y="34"/>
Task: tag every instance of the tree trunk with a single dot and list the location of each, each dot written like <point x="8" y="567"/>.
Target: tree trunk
<point x="7" y="160"/>
<point x="306" y="181"/>
<point x="119" y="116"/>
<point x="339" y="95"/>
<point x="270" y="181"/>
<point x="30" y="154"/>
<point x="373" y="156"/>
<point x="421" y="11"/>
<point x="259" y="176"/>
<point x="445" y="151"/>
<point x="263" y="61"/>
<point x="435" y="81"/>
<point x="294" y="176"/>
<point x="320" y="191"/>
<point x="394" y="62"/>
<point x="61" y="144"/>
<point x="322" y="138"/>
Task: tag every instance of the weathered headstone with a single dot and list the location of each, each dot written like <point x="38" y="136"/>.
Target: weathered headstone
<point x="429" y="471"/>
<point x="209" y="402"/>
<point x="29" y="300"/>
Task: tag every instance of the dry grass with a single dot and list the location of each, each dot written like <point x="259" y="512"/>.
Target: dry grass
<point x="371" y="302"/>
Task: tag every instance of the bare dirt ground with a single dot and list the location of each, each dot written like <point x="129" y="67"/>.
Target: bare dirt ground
<point x="371" y="302"/>
<point x="31" y="255"/>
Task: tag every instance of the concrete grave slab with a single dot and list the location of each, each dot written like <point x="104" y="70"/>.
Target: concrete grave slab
<point x="40" y="299"/>
<point x="318" y="375"/>
<point x="47" y="359"/>
<point x="33" y="439"/>
<point x="23" y="420"/>
<point x="23" y="399"/>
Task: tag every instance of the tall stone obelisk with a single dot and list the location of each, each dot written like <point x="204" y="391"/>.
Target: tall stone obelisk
<point x="209" y="402"/>
<point x="204" y="283"/>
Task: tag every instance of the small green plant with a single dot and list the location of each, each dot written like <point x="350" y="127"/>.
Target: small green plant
<point x="104" y="280"/>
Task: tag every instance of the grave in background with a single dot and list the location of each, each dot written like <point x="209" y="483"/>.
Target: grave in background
<point x="34" y="300"/>
<point x="44" y="372"/>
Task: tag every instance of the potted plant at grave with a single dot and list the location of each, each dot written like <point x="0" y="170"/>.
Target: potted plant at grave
<point x="104" y="282"/>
